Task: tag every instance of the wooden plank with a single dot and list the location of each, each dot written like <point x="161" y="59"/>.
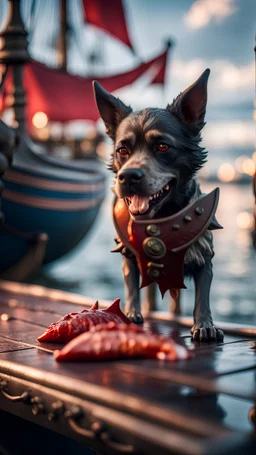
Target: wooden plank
<point x="242" y="384"/>
<point x="41" y="305"/>
<point x="138" y="377"/>
<point x="27" y="312"/>
<point x="165" y="404"/>
<point x="214" y="385"/>
<point x="218" y="360"/>
<point x="10" y="345"/>
<point x="222" y="360"/>
<point x="32" y="316"/>
<point x="11" y="289"/>
<point x="26" y="333"/>
<point x="228" y="327"/>
<point x="101" y="384"/>
<point x="25" y="326"/>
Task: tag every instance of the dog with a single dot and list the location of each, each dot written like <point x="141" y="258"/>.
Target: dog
<point x="157" y="154"/>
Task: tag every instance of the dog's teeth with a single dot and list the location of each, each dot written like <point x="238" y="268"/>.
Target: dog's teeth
<point x="167" y="187"/>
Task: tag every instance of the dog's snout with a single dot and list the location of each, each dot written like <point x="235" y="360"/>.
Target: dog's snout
<point x="130" y="176"/>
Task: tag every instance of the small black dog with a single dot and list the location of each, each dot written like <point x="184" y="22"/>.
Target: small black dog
<point x="155" y="159"/>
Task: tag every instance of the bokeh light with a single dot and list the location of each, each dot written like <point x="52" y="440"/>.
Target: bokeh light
<point x="226" y="172"/>
<point x="40" y="120"/>
<point x="248" y="166"/>
<point x="239" y="162"/>
<point x="245" y="220"/>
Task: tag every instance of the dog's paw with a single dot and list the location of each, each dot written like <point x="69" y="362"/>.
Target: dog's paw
<point x="135" y="316"/>
<point x="206" y="332"/>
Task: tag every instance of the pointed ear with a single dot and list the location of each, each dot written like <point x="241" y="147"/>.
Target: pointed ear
<point x="189" y="106"/>
<point x="112" y="110"/>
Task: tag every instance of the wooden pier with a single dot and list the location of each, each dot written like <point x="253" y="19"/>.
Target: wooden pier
<point x="202" y="406"/>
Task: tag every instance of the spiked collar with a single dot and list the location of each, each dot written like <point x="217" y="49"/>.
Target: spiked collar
<point x="160" y="245"/>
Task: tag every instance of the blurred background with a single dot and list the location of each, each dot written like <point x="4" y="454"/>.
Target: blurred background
<point x="180" y="39"/>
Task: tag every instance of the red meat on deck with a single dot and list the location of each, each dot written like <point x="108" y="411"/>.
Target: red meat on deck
<point x="114" y="341"/>
<point x="73" y="324"/>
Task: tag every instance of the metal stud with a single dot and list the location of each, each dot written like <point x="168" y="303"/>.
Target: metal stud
<point x="152" y="229"/>
<point x="154" y="247"/>
<point x="187" y="218"/>
<point x="153" y="273"/>
<point x="199" y="211"/>
<point x="175" y="227"/>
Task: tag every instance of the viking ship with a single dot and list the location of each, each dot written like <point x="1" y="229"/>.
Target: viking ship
<point x="51" y="204"/>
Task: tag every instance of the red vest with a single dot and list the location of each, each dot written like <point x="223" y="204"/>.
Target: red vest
<point x="160" y="244"/>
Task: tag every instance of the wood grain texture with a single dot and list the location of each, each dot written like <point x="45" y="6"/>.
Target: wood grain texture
<point x="164" y="398"/>
<point x="7" y="345"/>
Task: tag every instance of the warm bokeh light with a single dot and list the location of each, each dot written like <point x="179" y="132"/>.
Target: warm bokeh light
<point x="248" y="166"/>
<point x="245" y="220"/>
<point x="239" y="162"/>
<point x="43" y="134"/>
<point x="40" y="120"/>
<point x="226" y="172"/>
<point x="4" y="317"/>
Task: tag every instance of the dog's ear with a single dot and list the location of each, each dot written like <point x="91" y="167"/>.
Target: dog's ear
<point x="189" y="106"/>
<point x="111" y="109"/>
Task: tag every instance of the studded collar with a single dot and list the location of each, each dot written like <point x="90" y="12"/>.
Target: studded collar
<point x="160" y="245"/>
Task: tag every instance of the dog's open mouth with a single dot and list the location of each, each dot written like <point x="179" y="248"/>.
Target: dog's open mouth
<point x="141" y="205"/>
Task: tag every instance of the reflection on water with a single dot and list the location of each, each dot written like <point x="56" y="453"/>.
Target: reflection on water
<point x="92" y="270"/>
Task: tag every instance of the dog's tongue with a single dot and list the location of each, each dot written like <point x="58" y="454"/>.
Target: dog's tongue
<point x="139" y="204"/>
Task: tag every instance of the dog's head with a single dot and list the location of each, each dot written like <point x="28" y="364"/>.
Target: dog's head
<point x="156" y="151"/>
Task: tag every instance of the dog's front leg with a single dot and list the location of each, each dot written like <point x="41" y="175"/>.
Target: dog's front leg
<point x="132" y="290"/>
<point x="203" y="328"/>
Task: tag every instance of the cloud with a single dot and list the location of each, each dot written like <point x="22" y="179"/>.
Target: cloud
<point x="227" y="82"/>
<point x="229" y="133"/>
<point x="202" y="12"/>
<point x="234" y="77"/>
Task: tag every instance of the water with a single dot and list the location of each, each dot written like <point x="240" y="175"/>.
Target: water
<point x="92" y="270"/>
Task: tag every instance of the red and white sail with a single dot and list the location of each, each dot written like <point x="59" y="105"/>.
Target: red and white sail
<point x="64" y="97"/>
<point x="109" y="16"/>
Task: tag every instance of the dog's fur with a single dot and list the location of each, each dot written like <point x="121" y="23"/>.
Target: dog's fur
<point x="144" y="171"/>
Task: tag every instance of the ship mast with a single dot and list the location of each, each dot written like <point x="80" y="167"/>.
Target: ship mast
<point x="62" y="47"/>
<point x="14" y="53"/>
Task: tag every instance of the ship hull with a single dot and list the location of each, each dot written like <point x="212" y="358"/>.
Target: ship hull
<point x="46" y="196"/>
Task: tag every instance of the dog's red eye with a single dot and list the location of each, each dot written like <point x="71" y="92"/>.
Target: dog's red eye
<point x="123" y="151"/>
<point x="162" y="147"/>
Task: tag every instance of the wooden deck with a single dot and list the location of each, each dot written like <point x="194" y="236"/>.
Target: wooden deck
<point x="200" y="406"/>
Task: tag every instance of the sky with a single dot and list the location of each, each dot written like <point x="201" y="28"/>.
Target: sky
<point x="218" y="34"/>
